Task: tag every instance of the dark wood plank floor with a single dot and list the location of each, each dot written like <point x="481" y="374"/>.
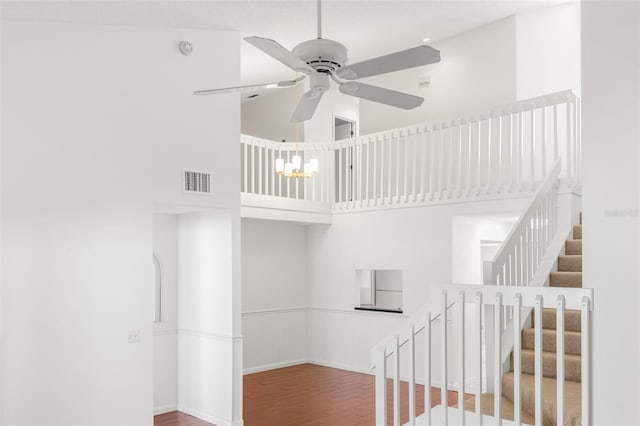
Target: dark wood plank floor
<point x="311" y="395"/>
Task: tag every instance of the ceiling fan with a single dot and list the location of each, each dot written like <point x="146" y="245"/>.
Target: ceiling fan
<point x="323" y="60"/>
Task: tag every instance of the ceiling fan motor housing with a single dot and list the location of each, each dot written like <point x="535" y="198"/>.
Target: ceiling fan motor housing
<point x="325" y="56"/>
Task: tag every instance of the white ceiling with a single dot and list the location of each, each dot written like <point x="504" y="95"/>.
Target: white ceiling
<point x="368" y="28"/>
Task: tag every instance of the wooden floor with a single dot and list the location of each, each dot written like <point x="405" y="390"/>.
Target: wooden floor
<point x="311" y="395"/>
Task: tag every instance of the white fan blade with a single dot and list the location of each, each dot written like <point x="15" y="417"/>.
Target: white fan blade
<point x="379" y="94"/>
<point x="277" y="51"/>
<point x="249" y="88"/>
<point x="307" y="106"/>
<point x="410" y="58"/>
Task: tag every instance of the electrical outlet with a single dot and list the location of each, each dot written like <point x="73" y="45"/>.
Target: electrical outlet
<point x="134" y="336"/>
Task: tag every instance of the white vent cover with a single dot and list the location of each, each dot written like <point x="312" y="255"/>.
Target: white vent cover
<point x="199" y="182"/>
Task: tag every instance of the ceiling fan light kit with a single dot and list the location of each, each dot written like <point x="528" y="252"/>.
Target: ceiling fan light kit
<point x="323" y="60"/>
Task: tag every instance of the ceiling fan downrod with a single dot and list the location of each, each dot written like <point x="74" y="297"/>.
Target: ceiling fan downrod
<point x="319" y="19"/>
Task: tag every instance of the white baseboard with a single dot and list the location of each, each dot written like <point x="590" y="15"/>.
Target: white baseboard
<point x="207" y="417"/>
<point x="274" y="366"/>
<point x="369" y="371"/>
<point x="164" y="409"/>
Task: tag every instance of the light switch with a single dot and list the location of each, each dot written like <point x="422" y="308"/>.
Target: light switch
<point x="134" y="336"/>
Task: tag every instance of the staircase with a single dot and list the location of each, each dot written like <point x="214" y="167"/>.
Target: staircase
<point x="569" y="275"/>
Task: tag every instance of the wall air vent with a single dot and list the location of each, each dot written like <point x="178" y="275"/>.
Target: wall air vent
<point x="198" y="182"/>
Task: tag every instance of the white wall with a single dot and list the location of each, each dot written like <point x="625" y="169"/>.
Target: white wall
<point x="103" y="121"/>
<point x="467" y="233"/>
<point x="416" y="240"/>
<point x="611" y="186"/>
<point x="548" y="50"/>
<point x="165" y="332"/>
<point x="274" y="294"/>
<point x="477" y="71"/>
<point x="268" y="115"/>
<point x="205" y="316"/>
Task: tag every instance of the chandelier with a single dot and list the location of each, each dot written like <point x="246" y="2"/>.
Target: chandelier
<point x="294" y="169"/>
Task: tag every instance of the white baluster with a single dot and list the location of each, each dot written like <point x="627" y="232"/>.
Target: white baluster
<point x="381" y="386"/>
<point x="341" y="177"/>
<point x="479" y="163"/>
<point x="489" y="154"/>
<point x="389" y="179"/>
<point x="520" y="149"/>
<point x="414" y="168"/>
<point x="517" y="360"/>
<point x="405" y="165"/>
<point x="260" y="189"/>
<point x="427" y="368"/>
<point x="253" y="168"/>
<point x="375" y="174"/>
<point x="432" y="162"/>
<point x="441" y="163"/>
<point x="560" y="359"/>
<point x="423" y="162"/>
<point x="543" y="147"/>
<point x="288" y="179"/>
<point x="478" y="324"/>
<point x="360" y="153"/>
<point x="461" y="351"/>
<point x="411" y="346"/>
<point x="586" y="354"/>
<point x="368" y="176"/>
<point x="469" y="161"/>
<point x="449" y="180"/>
<point x="459" y="171"/>
<point x="532" y="149"/>
<point x="538" y="360"/>
<point x="497" y="358"/>
<point x="444" y="378"/>
<point x="245" y="182"/>
<point x="499" y="156"/>
<point x="396" y="384"/>
<point x="382" y="144"/>
<point x="568" y="162"/>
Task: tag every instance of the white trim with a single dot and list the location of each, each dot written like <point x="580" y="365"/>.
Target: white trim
<point x="206" y="417"/>
<point x="412" y="205"/>
<point x="163" y="409"/>
<point x="275" y="311"/>
<point x="274" y="366"/>
<point x="164" y="332"/>
<point x="211" y="336"/>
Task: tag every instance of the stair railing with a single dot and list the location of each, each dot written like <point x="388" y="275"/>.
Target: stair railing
<point x="443" y="298"/>
<point x="259" y="177"/>
<point x="499" y="153"/>
<point x="525" y="258"/>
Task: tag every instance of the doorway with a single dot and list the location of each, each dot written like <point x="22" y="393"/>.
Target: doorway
<point x="193" y="323"/>
<point x="344" y="128"/>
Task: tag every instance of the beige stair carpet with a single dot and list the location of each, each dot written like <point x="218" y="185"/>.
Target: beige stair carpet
<point x="569" y="274"/>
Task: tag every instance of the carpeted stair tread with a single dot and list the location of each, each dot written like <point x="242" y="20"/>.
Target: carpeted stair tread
<point x="572" y="340"/>
<point x="572" y="319"/>
<point x="572" y="365"/>
<point x="573" y="247"/>
<point x="566" y="279"/>
<point x="570" y="263"/>
<point x="487" y="408"/>
<point x="577" y="232"/>
<point x="572" y="402"/>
